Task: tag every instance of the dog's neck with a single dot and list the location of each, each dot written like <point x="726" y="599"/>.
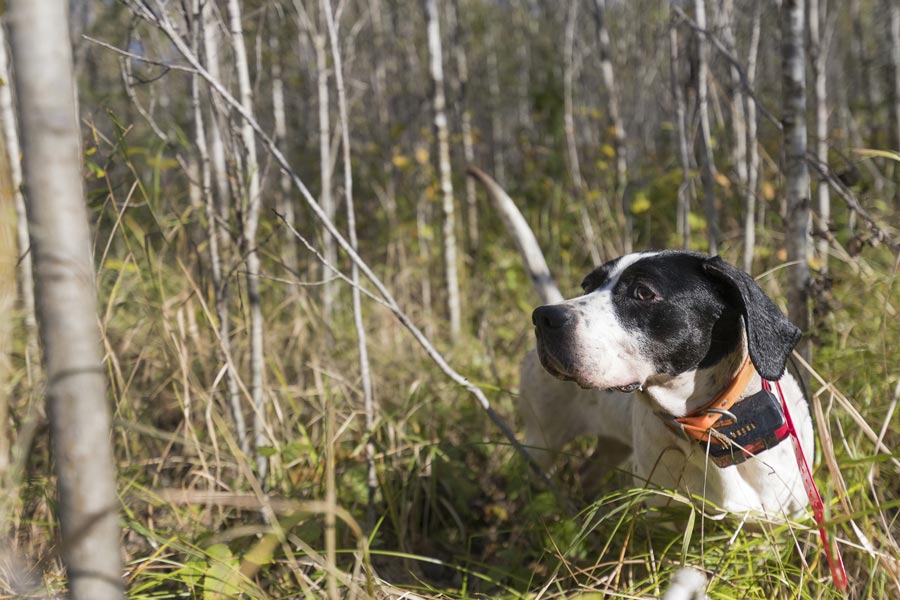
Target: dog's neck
<point x="681" y="394"/>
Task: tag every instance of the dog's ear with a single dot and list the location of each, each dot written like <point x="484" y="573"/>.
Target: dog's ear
<point x="770" y="336"/>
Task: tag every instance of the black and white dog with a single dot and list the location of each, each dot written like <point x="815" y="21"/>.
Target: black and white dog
<point x="657" y="339"/>
<point x="674" y="328"/>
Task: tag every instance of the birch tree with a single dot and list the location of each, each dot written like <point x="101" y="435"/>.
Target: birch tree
<point x="893" y="19"/>
<point x="796" y="175"/>
<point x="250" y="224"/>
<point x="707" y="162"/>
<point x="738" y="121"/>
<point x="364" y="371"/>
<point x="25" y="278"/>
<point x="436" y="69"/>
<point x="217" y="212"/>
<point x="617" y="124"/>
<point x="283" y="195"/>
<point x="686" y="187"/>
<point x="462" y="75"/>
<point x="66" y="299"/>
<point x="818" y="60"/>
<point x="752" y="145"/>
<point x="568" y="93"/>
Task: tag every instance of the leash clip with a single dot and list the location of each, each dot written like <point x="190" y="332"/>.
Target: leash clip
<point x="721" y="412"/>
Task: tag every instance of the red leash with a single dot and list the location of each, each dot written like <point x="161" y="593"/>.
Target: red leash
<point x="838" y="574"/>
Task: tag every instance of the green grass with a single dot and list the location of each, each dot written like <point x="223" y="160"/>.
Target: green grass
<point x="457" y="514"/>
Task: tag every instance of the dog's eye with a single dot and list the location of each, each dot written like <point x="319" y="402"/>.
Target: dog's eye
<point x="641" y="292"/>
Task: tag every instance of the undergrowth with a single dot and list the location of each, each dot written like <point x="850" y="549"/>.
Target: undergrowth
<point x="456" y="512"/>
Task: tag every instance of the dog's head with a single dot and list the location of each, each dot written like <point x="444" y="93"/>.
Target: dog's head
<point x="654" y="313"/>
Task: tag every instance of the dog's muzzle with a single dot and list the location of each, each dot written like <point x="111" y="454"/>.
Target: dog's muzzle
<point x="553" y="326"/>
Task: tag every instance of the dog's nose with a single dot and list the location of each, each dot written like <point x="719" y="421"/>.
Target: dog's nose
<point x="551" y="316"/>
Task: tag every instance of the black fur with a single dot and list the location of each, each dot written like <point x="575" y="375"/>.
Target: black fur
<point x="770" y="336"/>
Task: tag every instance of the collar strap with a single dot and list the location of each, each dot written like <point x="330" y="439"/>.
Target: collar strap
<point x="697" y="424"/>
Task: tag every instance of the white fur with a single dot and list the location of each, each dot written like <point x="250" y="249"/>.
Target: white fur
<point x="556" y="412"/>
<point x="607" y="354"/>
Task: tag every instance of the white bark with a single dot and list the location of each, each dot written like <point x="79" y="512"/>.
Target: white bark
<point x="498" y="134"/>
<point x="379" y="80"/>
<point x="893" y="18"/>
<point x="615" y="117"/>
<point x="436" y="69"/>
<point x="251" y="222"/>
<point x="66" y="299"/>
<point x="707" y="162"/>
<point x="364" y="371"/>
<point x="818" y="58"/>
<point x="685" y="188"/>
<point x="462" y="73"/>
<point x="329" y="289"/>
<point x="25" y="277"/>
<point x="214" y="224"/>
<point x="217" y="214"/>
<point x="752" y="146"/>
<point x="568" y="92"/>
<point x="283" y="198"/>
<point x="795" y="167"/>
<point x="738" y="121"/>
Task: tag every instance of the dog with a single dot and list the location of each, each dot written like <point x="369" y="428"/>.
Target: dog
<point x="646" y="359"/>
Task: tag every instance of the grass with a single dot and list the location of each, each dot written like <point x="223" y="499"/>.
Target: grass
<point x="457" y="514"/>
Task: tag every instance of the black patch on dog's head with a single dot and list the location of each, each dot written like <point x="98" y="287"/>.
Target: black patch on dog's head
<point x="598" y="276"/>
<point x="678" y="309"/>
<point x="770" y="336"/>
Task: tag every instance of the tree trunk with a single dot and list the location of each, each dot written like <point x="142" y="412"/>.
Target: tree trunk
<point x="326" y="199"/>
<point x="752" y="146"/>
<point x="25" y="277"/>
<point x="568" y="91"/>
<point x="795" y="167"/>
<point x="707" y="162"/>
<point x="380" y="87"/>
<point x="217" y="214"/>
<point x="738" y="121"/>
<point x="283" y="199"/>
<point x="462" y="73"/>
<point x="686" y="187"/>
<point x="616" y="122"/>
<point x="893" y="18"/>
<point x="818" y="55"/>
<point x="364" y="372"/>
<point x="251" y="222"/>
<point x="498" y="135"/>
<point x="863" y="82"/>
<point x="443" y="142"/>
<point x="66" y="299"/>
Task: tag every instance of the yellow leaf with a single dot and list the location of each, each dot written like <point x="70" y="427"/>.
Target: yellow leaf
<point x="781" y="254"/>
<point x="723" y="181"/>
<point x="400" y="161"/>
<point x="768" y="190"/>
<point x="608" y="150"/>
<point x="891" y="154"/>
<point x="422" y="156"/>
<point x="641" y="203"/>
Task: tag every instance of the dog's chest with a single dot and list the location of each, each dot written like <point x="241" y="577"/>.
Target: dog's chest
<point x="769" y="483"/>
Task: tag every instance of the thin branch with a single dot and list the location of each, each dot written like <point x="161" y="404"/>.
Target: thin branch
<point x="745" y="82"/>
<point x="163" y="23"/>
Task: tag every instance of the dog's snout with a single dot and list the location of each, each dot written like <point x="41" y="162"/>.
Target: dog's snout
<point x="551" y="317"/>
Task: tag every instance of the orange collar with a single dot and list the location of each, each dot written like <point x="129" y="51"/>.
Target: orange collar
<point x="697" y="424"/>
